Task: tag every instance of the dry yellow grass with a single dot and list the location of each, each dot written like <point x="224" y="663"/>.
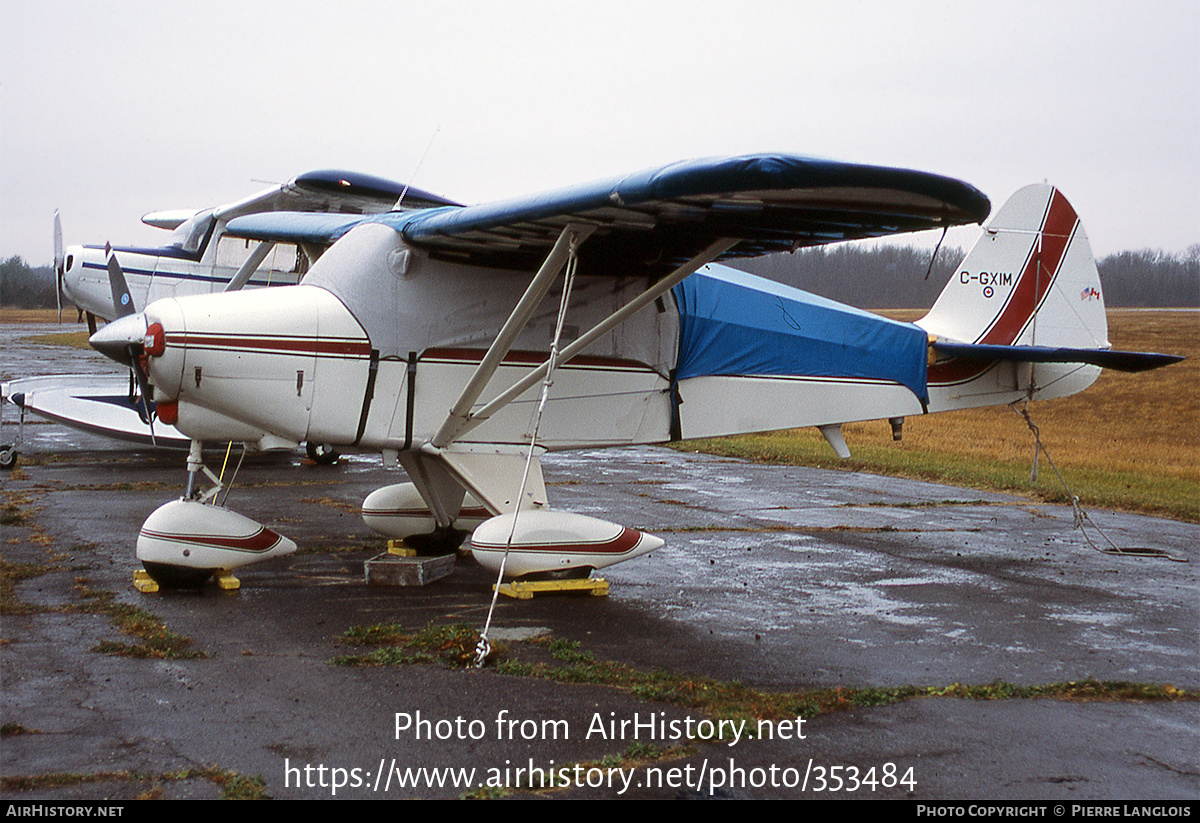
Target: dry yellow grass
<point x="11" y="315"/>
<point x="1148" y="422"/>
<point x="1131" y="441"/>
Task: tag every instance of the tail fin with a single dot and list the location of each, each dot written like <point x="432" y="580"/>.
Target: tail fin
<point x="1030" y="280"/>
<point x="1023" y="315"/>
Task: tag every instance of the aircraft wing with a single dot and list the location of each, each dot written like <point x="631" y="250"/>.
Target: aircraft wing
<point x="295" y="227"/>
<point x="649" y="222"/>
<point x="662" y="217"/>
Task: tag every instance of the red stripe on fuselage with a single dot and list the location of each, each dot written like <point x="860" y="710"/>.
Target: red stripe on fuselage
<point x="275" y="345"/>
<point x="531" y="358"/>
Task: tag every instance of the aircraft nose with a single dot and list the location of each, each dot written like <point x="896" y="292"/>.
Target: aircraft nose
<point x="71" y="269"/>
<point x="122" y="339"/>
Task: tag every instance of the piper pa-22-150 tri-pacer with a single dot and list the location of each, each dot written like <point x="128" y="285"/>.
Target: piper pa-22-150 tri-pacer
<point x="463" y="342"/>
<point x="200" y="257"/>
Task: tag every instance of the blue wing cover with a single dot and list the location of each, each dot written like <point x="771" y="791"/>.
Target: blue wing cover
<point x="733" y="323"/>
<point x="294" y="226"/>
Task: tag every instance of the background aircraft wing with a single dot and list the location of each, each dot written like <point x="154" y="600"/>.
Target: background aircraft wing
<point x="333" y="191"/>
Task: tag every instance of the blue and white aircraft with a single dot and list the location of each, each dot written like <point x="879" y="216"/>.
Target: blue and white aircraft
<point x="200" y="257"/>
<point x="464" y="341"/>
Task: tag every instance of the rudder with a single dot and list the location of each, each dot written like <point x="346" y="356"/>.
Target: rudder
<point x="1029" y="280"/>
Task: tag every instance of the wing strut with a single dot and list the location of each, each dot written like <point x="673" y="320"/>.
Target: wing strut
<point x="715" y="250"/>
<point x="250" y="266"/>
<point x="568" y="243"/>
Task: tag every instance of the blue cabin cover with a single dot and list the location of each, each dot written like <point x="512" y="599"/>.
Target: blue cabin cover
<point x="733" y="323"/>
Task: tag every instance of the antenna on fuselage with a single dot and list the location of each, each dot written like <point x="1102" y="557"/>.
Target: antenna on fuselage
<point x="417" y="168"/>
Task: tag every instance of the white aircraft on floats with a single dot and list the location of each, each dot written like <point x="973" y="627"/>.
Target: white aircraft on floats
<point x="200" y="257"/>
<point x="462" y="342"/>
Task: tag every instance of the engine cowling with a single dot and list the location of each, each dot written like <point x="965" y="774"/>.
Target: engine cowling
<point x="257" y="358"/>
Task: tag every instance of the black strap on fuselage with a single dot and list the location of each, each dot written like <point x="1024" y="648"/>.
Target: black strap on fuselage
<point x="372" y="370"/>
<point x="412" y="389"/>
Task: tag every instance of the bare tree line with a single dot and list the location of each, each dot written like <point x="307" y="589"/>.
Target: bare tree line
<point x="882" y="277"/>
<point x="901" y="277"/>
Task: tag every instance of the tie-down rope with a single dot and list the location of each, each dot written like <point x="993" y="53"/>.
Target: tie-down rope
<point x="1081" y="517"/>
<point x="484" y="647"/>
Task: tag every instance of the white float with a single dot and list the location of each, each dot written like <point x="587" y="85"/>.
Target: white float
<point x="554" y="542"/>
<point x="185" y="540"/>
<point x="399" y="512"/>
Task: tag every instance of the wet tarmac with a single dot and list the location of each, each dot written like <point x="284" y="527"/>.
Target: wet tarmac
<point x="780" y="578"/>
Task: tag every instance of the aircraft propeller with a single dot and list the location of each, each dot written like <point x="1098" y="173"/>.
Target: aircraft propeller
<point x="124" y="338"/>
<point x="59" y="264"/>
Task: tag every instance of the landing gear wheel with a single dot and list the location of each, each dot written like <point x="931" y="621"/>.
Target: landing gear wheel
<point x="573" y="573"/>
<point x="8" y="457"/>
<point x="439" y="542"/>
<point x="177" y="577"/>
<point x="322" y="453"/>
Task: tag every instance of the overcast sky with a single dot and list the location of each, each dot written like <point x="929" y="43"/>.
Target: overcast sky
<point x="112" y="109"/>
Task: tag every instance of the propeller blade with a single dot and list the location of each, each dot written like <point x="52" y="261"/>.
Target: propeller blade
<point x="122" y="299"/>
<point x="134" y="352"/>
<point x="59" y="263"/>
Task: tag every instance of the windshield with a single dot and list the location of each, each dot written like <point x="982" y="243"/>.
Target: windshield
<point x="192" y="232"/>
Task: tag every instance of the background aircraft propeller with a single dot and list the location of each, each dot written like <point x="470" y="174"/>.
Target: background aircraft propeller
<point x="59" y="264"/>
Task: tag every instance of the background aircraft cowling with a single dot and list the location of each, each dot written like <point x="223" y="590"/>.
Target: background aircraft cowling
<point x="555" y="543"/>
<point x="184" y="541"/>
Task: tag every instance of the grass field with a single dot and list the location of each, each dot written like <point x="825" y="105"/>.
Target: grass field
<point x="10" y="315"/>
<point x="1130" y="442"/>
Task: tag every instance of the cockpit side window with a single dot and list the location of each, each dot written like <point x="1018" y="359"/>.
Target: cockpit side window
<point x="193" y="232"/>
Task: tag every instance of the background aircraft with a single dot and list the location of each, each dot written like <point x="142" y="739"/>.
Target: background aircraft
<point x="423" y="335"/>
<point x="199" y="258"/>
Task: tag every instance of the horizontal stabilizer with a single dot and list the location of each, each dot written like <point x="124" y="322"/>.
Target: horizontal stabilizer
<point x="1129" y="361"/>
<point x="169" y="220"/>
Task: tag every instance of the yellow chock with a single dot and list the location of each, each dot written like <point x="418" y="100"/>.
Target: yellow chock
<point x="143" y="582"/>
<point x="526" y="589"/>
<point x="226" y="581"/>
<point x="401" y="549"/>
